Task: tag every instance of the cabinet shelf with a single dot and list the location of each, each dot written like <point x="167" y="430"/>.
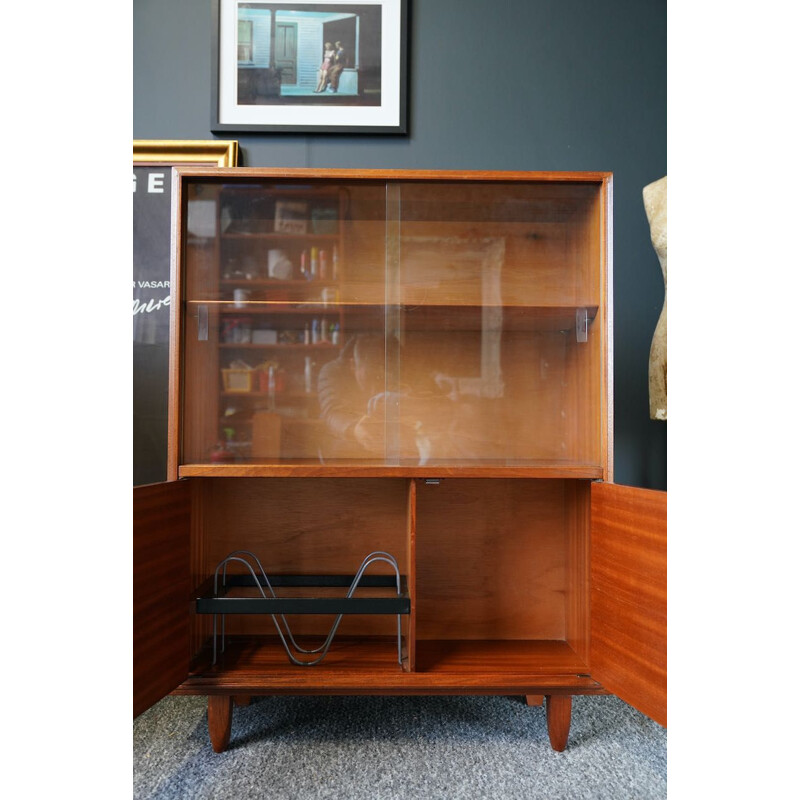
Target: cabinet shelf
<point x="258" y="663"/>
<point x="365" y="665"/>
<point x="379" y="468"/>
<point x="439" y="317"/>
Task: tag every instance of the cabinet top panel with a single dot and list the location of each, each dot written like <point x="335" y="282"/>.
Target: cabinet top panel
<point x="394" y="174"/>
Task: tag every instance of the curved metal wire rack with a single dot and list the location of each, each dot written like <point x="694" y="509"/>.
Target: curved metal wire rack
<point x="219" y="603"/>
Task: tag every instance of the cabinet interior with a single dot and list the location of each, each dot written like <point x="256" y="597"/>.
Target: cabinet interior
<point x="466" y="300"/>
<point x="497" y="570"/>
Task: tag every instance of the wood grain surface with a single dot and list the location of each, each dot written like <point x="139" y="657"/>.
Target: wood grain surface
<point x="629" y="595"/>
<point x="491" y="560"/>
<point x="559" y="717"/>
<point x="161" y="518"/>
<point x="395" y="174"/>
<point x="220" y="708"/>
<point x="311" y="468"/>
<point x="364" y="665"/>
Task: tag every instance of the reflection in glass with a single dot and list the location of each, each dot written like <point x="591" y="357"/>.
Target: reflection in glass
<point x="389" y="324"/>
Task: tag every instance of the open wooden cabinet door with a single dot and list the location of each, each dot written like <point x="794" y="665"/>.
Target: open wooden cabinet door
<point x="161" y="586"/>
<point x="628" y="648"/>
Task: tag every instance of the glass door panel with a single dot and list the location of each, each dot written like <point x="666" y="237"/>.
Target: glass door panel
<point x="487" y="286"/>
<point x="280" y="278"/>
<point x="392" y="323"/>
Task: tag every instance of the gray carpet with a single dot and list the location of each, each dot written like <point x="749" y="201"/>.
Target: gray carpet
<point x="382" y="748"/>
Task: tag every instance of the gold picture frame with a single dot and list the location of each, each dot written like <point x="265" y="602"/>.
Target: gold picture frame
<point x="214" y="152"/>
<point x="152" y="212"/>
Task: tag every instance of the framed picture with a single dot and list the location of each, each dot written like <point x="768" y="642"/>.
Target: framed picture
<point x="303" y="66"/>
<point x="152" y="202"/>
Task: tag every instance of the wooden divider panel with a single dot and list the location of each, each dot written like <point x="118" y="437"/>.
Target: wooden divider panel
<point x="491" y="559"/>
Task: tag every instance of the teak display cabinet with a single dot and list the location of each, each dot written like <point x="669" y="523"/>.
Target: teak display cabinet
<point x="391" y="448"/>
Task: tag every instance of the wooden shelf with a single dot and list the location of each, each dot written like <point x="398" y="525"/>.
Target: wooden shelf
<point x="438" y="317"/>
<point x="310" y="468"/>
<point x="368" y="665"/>
<point x="261" y="662"/>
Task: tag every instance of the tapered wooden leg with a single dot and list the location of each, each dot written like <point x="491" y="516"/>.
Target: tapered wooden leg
<point x="559" y="716"/>
<point x="241" y="699"/>
<point x="534" y="699"/>
<point x="219" y="721"/>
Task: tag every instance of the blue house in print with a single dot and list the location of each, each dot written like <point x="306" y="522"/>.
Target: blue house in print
<point x="280" y="52"/>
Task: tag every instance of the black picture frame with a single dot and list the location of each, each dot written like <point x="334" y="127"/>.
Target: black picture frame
<point x="268" y="58"/>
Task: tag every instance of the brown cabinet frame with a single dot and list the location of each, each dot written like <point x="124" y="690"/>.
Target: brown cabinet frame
<point x="609" y="547"/>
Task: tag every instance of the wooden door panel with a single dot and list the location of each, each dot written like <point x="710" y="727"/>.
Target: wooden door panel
<point x="161" y="585"/>
<point x="286" y="52"/>
<point x="628" y="652"/>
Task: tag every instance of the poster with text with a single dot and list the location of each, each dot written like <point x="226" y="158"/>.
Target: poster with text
<point x="151" y="256"/>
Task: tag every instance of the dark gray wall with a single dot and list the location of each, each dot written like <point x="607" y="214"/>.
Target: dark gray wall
<point x="518" y="85"/>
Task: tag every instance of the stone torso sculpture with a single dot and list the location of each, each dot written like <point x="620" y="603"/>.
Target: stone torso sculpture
<point x="655" y="203"/>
